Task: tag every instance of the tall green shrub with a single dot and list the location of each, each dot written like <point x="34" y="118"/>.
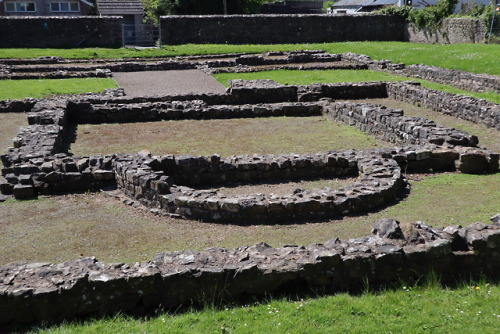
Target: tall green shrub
<point x="428" y="17"/>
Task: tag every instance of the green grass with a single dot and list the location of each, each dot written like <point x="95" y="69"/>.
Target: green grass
<point x="296" y="77"/>
<point x="20" y="89"/>
<point x="479" y="58"/>
<point x="61" y="228"/>
<point x="428" y="308"/>
<point x="270" y="135"/>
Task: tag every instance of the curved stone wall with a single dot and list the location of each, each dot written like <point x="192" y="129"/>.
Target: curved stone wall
<point x="35" y="165"/>
<point x="44" y="292"/>
<point x="157" y="182"/>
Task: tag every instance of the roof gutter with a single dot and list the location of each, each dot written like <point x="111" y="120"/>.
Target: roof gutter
<point x="84" y="1"/>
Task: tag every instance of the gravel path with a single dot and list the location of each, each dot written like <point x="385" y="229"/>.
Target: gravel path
<point x="150" y="83"/>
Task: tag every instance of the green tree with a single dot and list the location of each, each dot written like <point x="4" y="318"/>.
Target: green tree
<point x="206" y="7"/>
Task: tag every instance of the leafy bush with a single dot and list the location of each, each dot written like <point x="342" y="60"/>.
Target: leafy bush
<point x="482" y="12"/>
<point x="207" y="7"/>
<point x="327" y="5"/>
<point x="428" y="17"/>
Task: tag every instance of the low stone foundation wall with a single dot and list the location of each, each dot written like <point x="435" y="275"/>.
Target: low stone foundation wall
<point x="475" y="82"/>
<point x="35" y="165"/>
<point x="179" y="110"/>
<point x="45" y="292"/>
<point x="464" y="107"/>
<point x="390" y="125"/>
<point x="17" y="105"/>
<point x="156" y="183"/>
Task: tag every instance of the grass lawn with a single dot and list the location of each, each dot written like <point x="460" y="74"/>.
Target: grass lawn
<point x="296" y="77"/>
<point x="479" y="58"/>
<point x="60" y="228"/>
<point x="428" y="308"/>
<point x="20" y="89"/>
<point x="273" y="135"/>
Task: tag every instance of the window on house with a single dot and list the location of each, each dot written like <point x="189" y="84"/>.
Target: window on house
<point x="64" y="7"/>
<point x="20" y="7"/>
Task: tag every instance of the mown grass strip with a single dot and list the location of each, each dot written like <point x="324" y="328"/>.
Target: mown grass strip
<point x="62" y="228"/>
<point x="270" y="135"/>
<point x="296" y="77"/>
<point x="405" y="309"/>
<point x="20" y="89"/>
<point x="478" y="58"/>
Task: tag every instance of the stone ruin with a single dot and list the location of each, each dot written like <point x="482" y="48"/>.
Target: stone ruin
<point x="60" y="68"/>
<point x="38" y="164"/>
<point x="45" y="292"/>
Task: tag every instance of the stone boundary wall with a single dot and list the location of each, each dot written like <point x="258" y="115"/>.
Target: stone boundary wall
<point x="464" y="107"/>
<point x="452" y="31"/>
<point x="44" y="292"/>
<point x="60" y="32"/>
<point x="391" y="125"/>
<point x="278" y="29"/>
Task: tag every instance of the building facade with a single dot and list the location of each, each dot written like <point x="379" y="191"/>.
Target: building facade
<point x="45" y="7"/>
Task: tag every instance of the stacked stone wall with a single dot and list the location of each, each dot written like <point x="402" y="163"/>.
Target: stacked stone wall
<point x="475" y="82"/>
<point x="60" y="32"/>
<point x="45" y="292"/>
<point x="278" y="29"/>
<point x="380" y="180"/>
<point x="464" y="107"/>
<point x="451" y="31"/>
<point x="390" y="125"/>
<point x="179" y="110"/>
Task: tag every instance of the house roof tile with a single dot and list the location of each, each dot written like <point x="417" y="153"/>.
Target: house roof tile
<point x="120" y="7"/>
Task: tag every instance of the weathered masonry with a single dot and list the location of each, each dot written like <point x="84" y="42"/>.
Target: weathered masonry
<point x="37" y="164"/>
<point x="45" y="292"/>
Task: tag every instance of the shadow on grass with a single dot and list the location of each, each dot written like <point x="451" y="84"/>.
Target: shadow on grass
<point x="293" y="292"/>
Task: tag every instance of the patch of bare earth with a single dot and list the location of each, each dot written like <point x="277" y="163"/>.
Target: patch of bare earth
<point x="59" y="228"/>
<point x="273" y="135"/>
<point x="282" y="188"/>
<point x="9" y="128"/>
